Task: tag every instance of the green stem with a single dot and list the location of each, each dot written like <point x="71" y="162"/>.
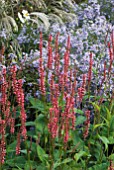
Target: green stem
<point x="28" y="155"/>
<point x="51" y="153"/>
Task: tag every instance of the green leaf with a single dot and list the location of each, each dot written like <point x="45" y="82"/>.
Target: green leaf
<point x="112" y="108"/>
<point x="77" y="139"/>
<point x="24" y="151"/>
<point x="67" y="160"/>
<point x="17" y="114"/>
<point x="18" y="161"/>
<point x="57" y="164"/>
<point x="56" y="154"/>
<point x="11" y="147"/>
<point x="95" y="71"/>
<point x="96" y="107"/>
<point x="38" y="104"/>
<point x="31" y="133"/>
<point x="88" y="97"/>
<point x="80" y="120"/>
<point x="99" y="167"/>
<point x="27" y="124"/>
<point x="108" y="114"/>
<point x="104" y="140"/>
<point x="107" y="122"/>
<point x="112" y="124"/>
<point x="78" y="111"/>
<point x="41" y="153"/>
<point x="66" y="167"/>
<point x="111" y="157"/>
<point x="97" y="125"/>
<point x="19" y="167"/>
<point x="31" y="123"/>
<point x="111" y="139"/>
<point x="41" y="167"/>
<point x="32" y="146"/>
<point x="78" y="155"/>
<point x="31" y="165"/>
<point x="41" y="123"/>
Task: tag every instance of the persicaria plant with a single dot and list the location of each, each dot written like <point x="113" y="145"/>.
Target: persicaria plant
<point x="71" y="117"/>
<point x="12" y="97"/>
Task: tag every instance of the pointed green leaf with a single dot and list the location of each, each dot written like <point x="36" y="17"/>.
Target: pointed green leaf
<point x="104" y="140"/>
<point x="41" y="123"/>
<point x="41" y="153"/>
<point x="112" y="124"/>
<point x="96" y="107"/>
<point x="99" y="167"/>
<point x="78" y="111"/>
<point x="97" y="125"/>
<point x="108" y="114"/>
<point x="80" y="120"/>
<point x="78" y="155"/>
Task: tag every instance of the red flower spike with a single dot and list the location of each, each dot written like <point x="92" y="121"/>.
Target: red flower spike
<point x="68" y="43"/>
<point x="111" y="51"/>
<point x="12" y="124"/>
<point x="18" y="144"/>
<point x="53" y="122"/>
<point x="111" y="167"/>
<point x="90" y="69"/>
<point x="87" y="124"/>
<point x="41" y="44"/>
<point x="57" y="57"/>
<point x="50" y="57"/>
<point x="41" y="69"/>
<point x="2" y="142"/>
<point x="104" y="71"/>
<point x="84" y="81"/>
<point x="81" y="93"/>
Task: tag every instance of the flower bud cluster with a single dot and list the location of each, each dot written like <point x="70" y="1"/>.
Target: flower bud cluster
<point x="19" y="93"/>
<point x="11" y="88"/>
<point x="61" y="120"/>
<point x="87" y="124"/>
<point x="41" y="68"/>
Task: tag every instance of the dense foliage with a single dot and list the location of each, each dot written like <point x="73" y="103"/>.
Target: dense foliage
<point x="57" y="85"/>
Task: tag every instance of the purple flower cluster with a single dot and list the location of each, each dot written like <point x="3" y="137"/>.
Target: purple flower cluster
<point x="87" y="35"/>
